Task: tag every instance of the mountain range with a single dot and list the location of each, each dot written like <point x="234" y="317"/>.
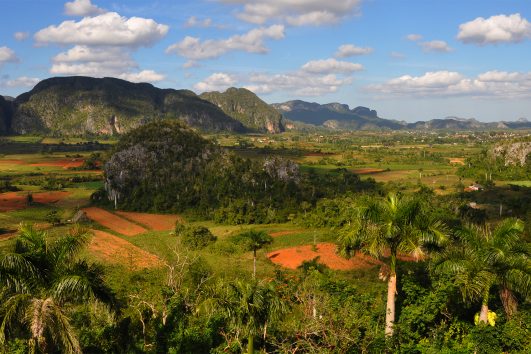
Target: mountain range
<point x="83" y="105"/>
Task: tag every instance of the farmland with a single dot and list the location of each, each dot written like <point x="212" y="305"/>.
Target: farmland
<point x="141" y="251"/>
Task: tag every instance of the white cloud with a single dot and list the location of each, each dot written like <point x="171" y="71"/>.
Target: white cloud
<point x="328" y="66"/>
<point x="495" y="29"/>
<point x="100" y="62"/>
<point x="22" y="81"/>
<point x="436" y="46"/>
<point x="20" y="36"/>
<point x="414" y="37"/>
<point x="193" y="48"/>
<point x="190" y="64"/>
<point x="295" y="12"/>
<point x="397" y="55"/>
<point x="216" y="82"/>
<point x="349" y="50"/>
<point x="7" y="55"/>
<point x="194" y="22"/>
<point x="106" y="29"/>
<point x="143" y="76"/>
<point x="499" y="84"/>
<point x="82" y="8"/>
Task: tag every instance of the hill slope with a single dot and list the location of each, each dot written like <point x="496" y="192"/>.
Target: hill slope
<point x="244" y="106"/>
<point x="335" y="116"/>
<point x="80" y="105"/>
<point x="6" y="112"/>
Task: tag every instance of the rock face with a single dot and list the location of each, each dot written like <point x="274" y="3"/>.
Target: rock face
<point x="335" y="116"/>
<point x="6" y="113"/>
<point x="244" y="106"/>
<point x="84" y="105"/>
<point x="514" y="153"/>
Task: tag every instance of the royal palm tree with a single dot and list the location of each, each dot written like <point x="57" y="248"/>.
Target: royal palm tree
<point x="256" y="240"/>
<point x="385" y="228"/>
<point x="38" y="282"/>
<point x="249" y="306"/>
<point x="483" y="258"/>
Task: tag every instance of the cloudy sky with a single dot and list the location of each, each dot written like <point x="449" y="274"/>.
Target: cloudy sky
<point x="409" y="59"/>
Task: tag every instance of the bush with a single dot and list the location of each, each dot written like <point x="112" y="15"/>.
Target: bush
<point x="195" y="237"/>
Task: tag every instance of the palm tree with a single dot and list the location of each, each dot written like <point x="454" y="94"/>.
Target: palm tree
<point x="383" y="229"/>
<point x="249" y="306"/>
<point x="483" y="258"/>
<point x="38" y="282"/>
<point x="256" y="240"/>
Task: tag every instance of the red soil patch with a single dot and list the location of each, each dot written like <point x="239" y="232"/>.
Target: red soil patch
<point x="8" y="235"/>
<point x="157" y="222"/>
<point x="114" y="222"/>
<point x="114" y="249"/>
<point x="17" y="200"/>
<point x="287" y="232"/>
<point x="366" y="171"/>
<point x="294" y="256"/>
<point x="64" y="163"/>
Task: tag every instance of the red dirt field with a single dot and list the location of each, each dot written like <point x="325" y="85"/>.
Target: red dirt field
<point x="17" y="200"/>
<point x="294" y="256"/>
<point x="64" y="163"/>
<point x="366" y="171"/>
<point x="287" y="232"/>
<point x="113" y="249"/>
<point x="114" y="222"/>
<point x="11" y="162"/>
<point x="457" y="160"/>
<point x="157" y="222"/>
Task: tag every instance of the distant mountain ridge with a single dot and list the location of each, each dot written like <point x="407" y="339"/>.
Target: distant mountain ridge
<point x="337" y="116"/>
<point x="83" y="105"/>
<point x="244" y="106"/>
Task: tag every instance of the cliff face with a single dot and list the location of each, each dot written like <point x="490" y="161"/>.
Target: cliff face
<point x="6" y="112"/>
<point x="81" y="105"/>
<point x="246" y="107"/>
<point x="513" y="153"/>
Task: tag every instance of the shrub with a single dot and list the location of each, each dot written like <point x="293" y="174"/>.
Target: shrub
<point x="195" y="237"/>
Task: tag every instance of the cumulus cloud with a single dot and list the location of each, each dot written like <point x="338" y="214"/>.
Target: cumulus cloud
<point x="495" y="83"/>
<point x="100" y="62"/>
<point x="414" y="37"/>
<point x="495" y="29"/>
<point x="23" y="81"/>
<point x="436" y="46"/>
<point x="195" y="22"/>
<point x="7" y="55"/>
<point x="82" y="8"/>
<point x="143" y="76"/>
<point x="107" y="29"/>
<point x="20" y="36"/>
<point x="295" y="13"/>
<point x="193" y="48"/>
<point x="216" y="82"/>
<point x="314" y="78"/>
<point x="327" y="66"/>
<point x="350" y="50"/>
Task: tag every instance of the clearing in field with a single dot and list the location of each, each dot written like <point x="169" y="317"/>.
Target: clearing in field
<point x="114" y="222"/>
<point x="15" y="200"/>
<point x="157" y="222"/>
<point x="64" y="163"/>
<point x="294" y="256"/>
<point x="366" y="171"/>
<point x="113" y="249"/>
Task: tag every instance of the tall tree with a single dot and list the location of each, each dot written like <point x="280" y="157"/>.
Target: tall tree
<point x="249" y="306"/>
<point x="483" y="257"/>
<point x="385" y="228"/>
<point x="39" y="280"/>
<point x="256" y="240"/>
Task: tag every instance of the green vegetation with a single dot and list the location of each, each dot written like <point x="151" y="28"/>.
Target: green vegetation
<point x="254" y="199"/>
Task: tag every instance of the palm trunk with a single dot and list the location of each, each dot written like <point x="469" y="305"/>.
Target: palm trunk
<point x="250" y="344"/>
<point x="484" y="313"/>
<point x="254" y="264"/>
<point x="510" y="304"/>
<point x="391" y="294"/>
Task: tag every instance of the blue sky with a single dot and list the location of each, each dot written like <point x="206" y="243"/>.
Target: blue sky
<point x="410" y="59"/>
